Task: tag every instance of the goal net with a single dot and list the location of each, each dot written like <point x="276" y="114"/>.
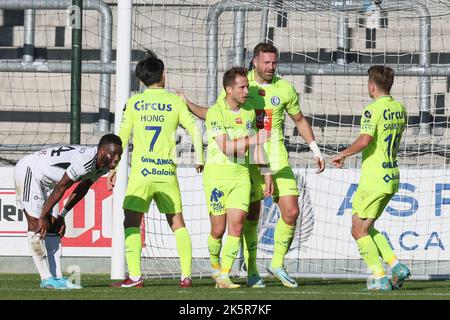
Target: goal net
<point x="325" y="50"/>
<point x="35" y="83"/>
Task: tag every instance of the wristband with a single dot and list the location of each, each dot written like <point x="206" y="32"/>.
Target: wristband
<point x="315" y="149"/>
<point x="265" y="170"/>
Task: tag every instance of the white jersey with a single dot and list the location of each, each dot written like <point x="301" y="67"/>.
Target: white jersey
<point x="79" y="162"/>
<point x="36" y="175"/>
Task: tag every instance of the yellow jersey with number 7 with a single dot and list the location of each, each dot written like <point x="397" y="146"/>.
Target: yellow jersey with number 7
<point x="153" y="117"/>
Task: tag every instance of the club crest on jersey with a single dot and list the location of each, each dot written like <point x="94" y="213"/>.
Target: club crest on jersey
<point x="275" y="100"/>
<point x="368" y="114"/>
<point x="238" y="121"/>
<point x="249" y="124"/>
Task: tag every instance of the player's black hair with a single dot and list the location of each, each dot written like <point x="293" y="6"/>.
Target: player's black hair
<point x="108" y="139"/>
<point x="150" y="70"/>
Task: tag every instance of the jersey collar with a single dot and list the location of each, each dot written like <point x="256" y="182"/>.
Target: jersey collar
<point x="383" y="97"/>
<point x="154" y="89"/>
<point x="225" y="105"/>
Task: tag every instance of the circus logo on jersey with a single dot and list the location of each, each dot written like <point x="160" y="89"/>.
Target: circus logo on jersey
<point x="304" y="227"/>
<point x="89" y="223"/>
<point x="275" y="101"/>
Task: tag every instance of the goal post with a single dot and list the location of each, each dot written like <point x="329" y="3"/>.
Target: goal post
<point x="123" y="72"/>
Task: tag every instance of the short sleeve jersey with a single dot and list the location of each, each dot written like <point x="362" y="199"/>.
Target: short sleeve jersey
<point x="152" y="118"/>
<point x="79" y="162"/>
<point x="221" y="120"/>
<point x="384" y="120"/>
<point x="270" y="102"/>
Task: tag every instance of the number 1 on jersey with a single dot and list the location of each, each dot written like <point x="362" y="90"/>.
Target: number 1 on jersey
<point x="155" y="136"/>
<point x="392" y="144"/>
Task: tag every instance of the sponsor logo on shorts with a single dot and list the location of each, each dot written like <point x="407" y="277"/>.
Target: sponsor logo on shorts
<point x="216" y="206"/>
<point x="216" y="194"/>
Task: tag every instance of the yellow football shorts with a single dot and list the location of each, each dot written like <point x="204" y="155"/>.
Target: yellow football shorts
<point x="227" y="194"/>
<point x="285" y="184"/>
<point x="141" y="192"/>
<point x="370" y="204"/>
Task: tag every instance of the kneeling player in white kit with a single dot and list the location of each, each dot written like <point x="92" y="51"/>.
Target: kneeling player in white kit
<point x="41" y="180"/>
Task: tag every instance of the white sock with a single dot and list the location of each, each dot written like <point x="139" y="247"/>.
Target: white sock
<point x="54" y="252"/>
<point x="39" y="254"/>
<point x="134" y="278"/>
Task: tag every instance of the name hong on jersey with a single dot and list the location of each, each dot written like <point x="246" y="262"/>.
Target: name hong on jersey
<point x="141" y="105"/>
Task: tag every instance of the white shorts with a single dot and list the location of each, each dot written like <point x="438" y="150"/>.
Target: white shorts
<point x="31" y="193"/>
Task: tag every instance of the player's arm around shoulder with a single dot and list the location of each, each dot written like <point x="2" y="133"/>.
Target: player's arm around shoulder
<point x="126" y="124"/>
<point x="188" y="122"/>
<point x="196" y="109"/>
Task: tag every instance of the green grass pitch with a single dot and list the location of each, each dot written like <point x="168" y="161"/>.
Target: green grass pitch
<point x="26" y="286"/>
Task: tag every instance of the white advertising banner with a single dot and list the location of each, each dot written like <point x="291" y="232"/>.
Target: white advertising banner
<point x="416" y="221"/>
